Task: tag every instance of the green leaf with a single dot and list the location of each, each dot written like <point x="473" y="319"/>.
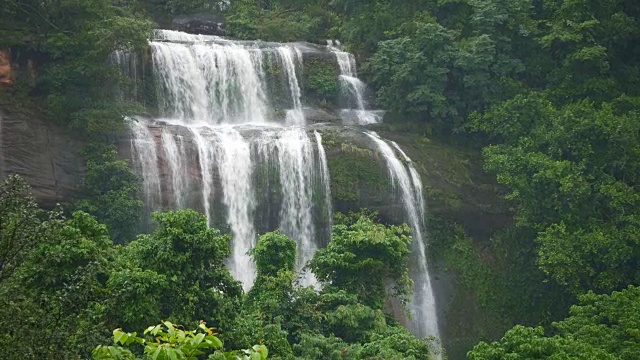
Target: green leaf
<point x="172" y="354"/>
<point x="197" y="340"/>
<point x="264" y="352"/>
<point x="157" y="353"/>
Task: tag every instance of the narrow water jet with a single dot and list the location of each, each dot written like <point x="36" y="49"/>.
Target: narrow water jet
<point x="143" y="148"/>
<point x="289" y="58"/>
<point x="205" y="160"/>
<point x="325" y="180"/>
<point x="406" y="180"/>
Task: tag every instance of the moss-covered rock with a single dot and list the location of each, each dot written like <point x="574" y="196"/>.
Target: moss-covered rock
<point x="359" y="178"/>
<point x="321" y="86"/>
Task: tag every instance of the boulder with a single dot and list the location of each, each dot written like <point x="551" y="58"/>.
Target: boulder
<point x="204" y="24"/>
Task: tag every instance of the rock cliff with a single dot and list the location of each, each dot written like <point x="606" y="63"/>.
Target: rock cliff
<point x="44" y="154"/>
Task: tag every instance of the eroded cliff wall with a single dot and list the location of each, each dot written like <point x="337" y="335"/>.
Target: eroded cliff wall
<point x="46" y="155"/>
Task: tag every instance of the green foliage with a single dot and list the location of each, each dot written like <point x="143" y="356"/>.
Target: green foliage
<point x="111" y="192"/>
<point x="568" y="167"/>
<point x="70" y="41"/>
<point x="364" y="257"/>
<point x="321" y="81"/>
<point x="319" y="347"/>
<point x="274" y="252"/>
<point x="431" y="72"/>
<point x="410" y="72"/>
<point x="74" y="283"/>
<point x="600" y="327"/>
<point x="567" y="147"/>
<point x="167" y="341"/>
<point x="396" y="343"/>
<point x="352" y="169"/>
<point x="277" y="20"/>
<point x="21" y="225"/>
<point x="353" y="322"/>
<point x="186" y="259"/>
<point x="59" y="289"/>
<point x="75" y="37"/>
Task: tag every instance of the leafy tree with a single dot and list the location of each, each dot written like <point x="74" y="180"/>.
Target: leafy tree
<point x="271" y="302"/>
<point x="111" y="192"/>
<point x="59" y="289"/>
<point x="395" y="343"/>
<point x="364" y="257"/>
<point x="440" y="75"/>
<point x="278" y="20"/>
<point x="23" y="226"/>
<point x="273" y="253"/>
<point x="319" y="347"/>
<point x="572" y="174"/>
<point x="593" y="45"/>
<point x="600" y="327"/>
<point x="186" y="260"/>
<point x="410" y="72"/>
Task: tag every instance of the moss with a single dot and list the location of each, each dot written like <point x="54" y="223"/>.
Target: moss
<point x="330" y="139"/>
<point x="499" y="284"/>
<point x="354" y="170"/>
<point x="321" y="85"/>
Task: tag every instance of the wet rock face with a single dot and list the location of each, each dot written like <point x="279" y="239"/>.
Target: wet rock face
<point x="46" y="156"/>
<point x="319" y="115"/>
<point x="203" y="24"/>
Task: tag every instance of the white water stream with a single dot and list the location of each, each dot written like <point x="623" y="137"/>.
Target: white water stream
<point x="406" y="180"/>
<point x="356" y="89"/>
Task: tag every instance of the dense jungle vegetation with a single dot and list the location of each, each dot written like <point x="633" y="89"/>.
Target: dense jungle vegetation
<point x="549" y="89"/>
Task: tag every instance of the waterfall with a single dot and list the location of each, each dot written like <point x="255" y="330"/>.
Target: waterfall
<point x="231" y="141"/>
<point x="210" y="82"/>
<point x="355" y="88"/>
<point x="325" y="180"/>
<point x="128" y="66"/>
<point x="205" y="160"/>
<point x="295" y="115"/>
<point x="295" y="158"/>
<point x="233" y="156"/>
<point x="143" y="148"/>
<point x="406" y="180"/>
<point x="176" y="156"/>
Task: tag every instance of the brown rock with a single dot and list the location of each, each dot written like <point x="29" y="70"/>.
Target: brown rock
<point x="46" y="156"/>
<point x="6" y="75"/>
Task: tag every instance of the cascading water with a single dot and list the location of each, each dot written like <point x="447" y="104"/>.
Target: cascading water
<point x="175" y="151"/>
<point x="209" y="80"/>
<point x="233" y="156"/>
<point x="406" y="180"/>
<point x="325" y="179"/>
<point x="232" y="142"/>
<point x="143" y="147"/>
<point x="356" y="89"/>
<point x="295" y="115"/>
<point x="295" y="157"/>
<point x="217" y="115"/>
